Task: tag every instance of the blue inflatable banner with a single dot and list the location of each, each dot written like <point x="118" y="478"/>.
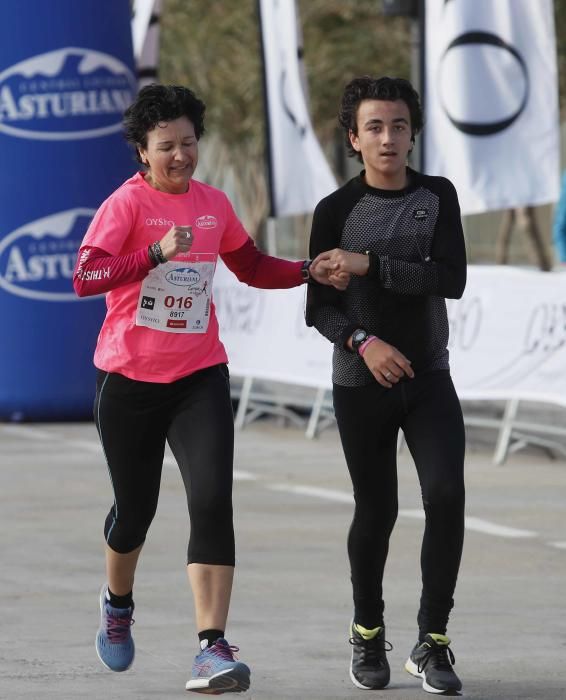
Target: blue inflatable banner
<point x="66" y="77"/>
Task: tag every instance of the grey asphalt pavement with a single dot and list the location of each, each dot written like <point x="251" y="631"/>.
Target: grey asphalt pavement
<point x="291" y="603"/>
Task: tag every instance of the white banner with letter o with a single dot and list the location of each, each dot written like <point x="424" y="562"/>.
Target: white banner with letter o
<point x="290" y="135"/>
<point x="491" y="82"/>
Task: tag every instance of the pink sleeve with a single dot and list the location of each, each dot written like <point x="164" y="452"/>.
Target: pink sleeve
<point x="259" y="270"/>
<point x="98" y="272"/>
<point x="234" y="235"/>
<point x="111" y="225"/>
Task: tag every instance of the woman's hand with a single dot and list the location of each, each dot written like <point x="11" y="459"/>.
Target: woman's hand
<point x="178" y="239"/>
<point x="322" y="274"/>
<point x="386" y="363"/>
<point x="337" y="260"/>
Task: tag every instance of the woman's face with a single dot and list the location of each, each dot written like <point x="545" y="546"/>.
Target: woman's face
<point x="171" y="155"/>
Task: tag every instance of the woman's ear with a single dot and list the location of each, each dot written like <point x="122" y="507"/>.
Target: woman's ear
<point x="141" y="154"/>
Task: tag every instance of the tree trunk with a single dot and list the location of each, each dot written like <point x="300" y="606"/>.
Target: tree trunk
<point x="504" y="237"/>
<point x="528" y="222"/>
<point x="525" y="218"/>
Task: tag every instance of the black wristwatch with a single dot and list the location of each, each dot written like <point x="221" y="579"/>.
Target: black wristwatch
<point x="305" y="270"/>
<point x="359" y="336"/>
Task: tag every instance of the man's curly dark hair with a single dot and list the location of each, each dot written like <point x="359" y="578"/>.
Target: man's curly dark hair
<point x="161" y="103"/>
<point x="368" y="88"/>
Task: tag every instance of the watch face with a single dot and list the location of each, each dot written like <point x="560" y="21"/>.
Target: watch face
<point x="359" y="336"/>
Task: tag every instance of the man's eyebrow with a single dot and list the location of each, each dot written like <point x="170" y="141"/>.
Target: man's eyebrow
<point x="398" y="120"/>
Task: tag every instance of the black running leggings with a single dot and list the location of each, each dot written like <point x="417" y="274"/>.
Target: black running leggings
<point x="369" y="417"/>
<point x="194" y="415"/>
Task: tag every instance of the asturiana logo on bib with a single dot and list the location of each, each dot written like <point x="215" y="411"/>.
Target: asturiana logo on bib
<point x="183" y="277"/>
<point x="37" y="260"/>
<point x="71" y="93"/>
<point x="206" y="221"/>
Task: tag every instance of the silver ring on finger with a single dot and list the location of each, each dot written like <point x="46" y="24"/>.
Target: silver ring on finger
<point x="388" y="375"/>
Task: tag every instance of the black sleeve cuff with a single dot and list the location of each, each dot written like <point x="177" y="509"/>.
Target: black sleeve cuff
<point x="346" y="333"/>
<point x="374" y="267"/>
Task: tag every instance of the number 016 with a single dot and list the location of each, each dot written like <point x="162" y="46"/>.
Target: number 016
<point x="178" y="302"/>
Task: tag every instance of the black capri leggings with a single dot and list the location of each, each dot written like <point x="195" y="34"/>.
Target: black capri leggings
<point x="369" y="417"/>
<point x="194" y="414"/>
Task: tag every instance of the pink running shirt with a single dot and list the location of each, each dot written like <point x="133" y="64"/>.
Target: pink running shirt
<point x="133" y="217"/>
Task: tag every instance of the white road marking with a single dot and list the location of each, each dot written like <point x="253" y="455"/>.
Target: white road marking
<point x="479" y="525"/>
<point x="239" y="475"/>
<point x="27" y="432"/>
<point x="327" y="494"/>
<point x="472" y="523"/>
<point x="558" y="545"/>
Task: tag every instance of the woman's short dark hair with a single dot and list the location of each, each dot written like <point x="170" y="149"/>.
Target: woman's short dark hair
<point x="161" y="103"/>
<point x="368" y="88"/>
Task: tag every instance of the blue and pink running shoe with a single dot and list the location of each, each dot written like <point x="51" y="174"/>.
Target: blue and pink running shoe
<point x="114" y="643"/>
<point x="216" y="671"/>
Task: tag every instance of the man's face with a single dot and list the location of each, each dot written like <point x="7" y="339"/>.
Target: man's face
<point x="383" y="138"/>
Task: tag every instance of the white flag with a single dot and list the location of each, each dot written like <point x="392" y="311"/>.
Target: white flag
<point x="299" y="173"/>
<point x="491" y="101"/>
<point x="145" y="35"/>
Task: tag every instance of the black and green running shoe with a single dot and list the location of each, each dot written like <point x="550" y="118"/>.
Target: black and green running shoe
<point x="432" y="660"/>
<point x="369" y="668"/>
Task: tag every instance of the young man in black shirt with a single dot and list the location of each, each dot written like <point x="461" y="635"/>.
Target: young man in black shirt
<point x="399" y="234"/>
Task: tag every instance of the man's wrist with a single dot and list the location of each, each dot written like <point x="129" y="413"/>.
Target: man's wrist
<point x="364" y="345"/>
<point x="359" y="336"/>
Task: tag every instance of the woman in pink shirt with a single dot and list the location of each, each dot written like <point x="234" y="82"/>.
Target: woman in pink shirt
<point x="162" y="375"/>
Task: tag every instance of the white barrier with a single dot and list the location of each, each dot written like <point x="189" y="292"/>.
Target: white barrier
<point x="507" y="342"/>
<point x="508" y="335"/>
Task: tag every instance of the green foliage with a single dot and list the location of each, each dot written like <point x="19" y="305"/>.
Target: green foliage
<point x="213" y="46"/>
<point x="344" y="39"/>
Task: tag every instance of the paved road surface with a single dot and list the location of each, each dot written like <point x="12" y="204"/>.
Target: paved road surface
<point x="291" y="602"/>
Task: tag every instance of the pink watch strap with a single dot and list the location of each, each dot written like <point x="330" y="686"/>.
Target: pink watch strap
<point x="364" y="345"/>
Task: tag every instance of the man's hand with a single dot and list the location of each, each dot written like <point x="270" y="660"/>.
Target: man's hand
<point x="178" y="239"/>
<point x="324" y="274"/>
<point x="338" y="260"/>
<point x="386" y="363"/>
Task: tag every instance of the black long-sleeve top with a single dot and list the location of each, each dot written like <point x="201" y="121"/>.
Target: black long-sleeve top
<point x="417" y="259"/>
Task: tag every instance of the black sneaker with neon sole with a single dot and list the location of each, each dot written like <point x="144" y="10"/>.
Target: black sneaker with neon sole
<point x="369" y="668"/>
<point x="432" y="661"/>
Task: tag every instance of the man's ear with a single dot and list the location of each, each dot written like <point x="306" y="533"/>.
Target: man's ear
<point x="354" y="140"/>
<point x="412" y="146"/>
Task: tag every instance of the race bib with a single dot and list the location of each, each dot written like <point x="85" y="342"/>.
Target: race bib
<point x="175" y="297"/>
